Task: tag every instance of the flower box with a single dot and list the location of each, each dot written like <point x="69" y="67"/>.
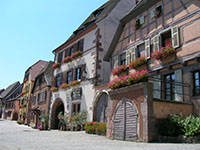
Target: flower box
<point x="56" y="65"/>
<point x="163" y="52"/>
<point x="64" y="85"/>
<point x="138" y="63"/>
<point x="129" y="80"/>
<point x="120" y="69"/>
<point x="74" y="83"/>
<point x="76" y="54"/>
<point x="67" y="59"/>
<point x="54" y="89"/>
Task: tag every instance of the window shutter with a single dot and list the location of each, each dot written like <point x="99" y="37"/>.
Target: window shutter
<point x="72" y="77"/>
<point x="67" y="52"/>
<point x="175" y="36"/>
<point x="178" y="86"/>
<point x="61" y="78"/>
<point x="128" y="59"/>
<point x="75" y="47"/>
<point x="156" y="45"/>
<point x="80" y="45"/>
<point x="133" y="57"/>
<point x="157" y="87"/>
<point x="115" y="61"/>
<point x="147" y="48"/>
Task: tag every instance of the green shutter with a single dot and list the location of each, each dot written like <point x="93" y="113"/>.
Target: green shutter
<point x="156" y="45"/>
<point x="178" y="86"/>
<point x="128" y="59"/>
<point x="175" y="36"/>
<point x="115" y="61"/>
<point x="132" y="50"/>
<point x="147" y="48"/>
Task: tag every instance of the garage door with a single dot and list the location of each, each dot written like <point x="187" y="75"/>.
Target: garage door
<point x="125" y="121"/>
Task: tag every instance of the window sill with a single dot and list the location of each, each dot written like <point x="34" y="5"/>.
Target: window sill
<point x="170" y="101"/>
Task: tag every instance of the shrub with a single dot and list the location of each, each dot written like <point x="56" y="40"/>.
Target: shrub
<point x="138" y="62"/>
<point x="64" y="120"/>
<point x="175" y="125"/>
<point x="79" y="119"/>
<point x="45" y="121"/>
<point x="119" y="69"/>
<point x="190" y="125"/>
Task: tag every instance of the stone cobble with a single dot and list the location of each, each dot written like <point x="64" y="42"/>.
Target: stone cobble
<point x="21" y="137"/>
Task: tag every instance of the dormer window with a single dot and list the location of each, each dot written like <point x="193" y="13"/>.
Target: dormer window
<point x="97" y="12"/>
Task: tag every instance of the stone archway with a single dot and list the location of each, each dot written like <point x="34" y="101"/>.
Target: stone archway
<point x="100" y="108"/>
<point x="15" y="116"/>
<point x="58" y="107"/>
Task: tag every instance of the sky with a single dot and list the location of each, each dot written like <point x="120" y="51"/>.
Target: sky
<point x="31" y="29"/>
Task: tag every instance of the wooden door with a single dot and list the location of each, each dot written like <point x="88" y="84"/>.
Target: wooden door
<point x="101" y="108"/>
<point x="125" y="122"/>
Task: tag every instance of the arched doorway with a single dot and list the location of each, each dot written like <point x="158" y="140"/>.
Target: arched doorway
<point x="58" y="107"/>
<point x="15" y="116"/>
<point x="125" y="121"/>
<point x="100" y="111"/>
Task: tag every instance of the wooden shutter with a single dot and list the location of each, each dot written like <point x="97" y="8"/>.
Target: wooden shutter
<point x="67" y="52"/>
<point x="133" y="56"/>
<point x="178" y="86"/>
<point x="75" y="47"/>
<point x="60" y="57"/>
<point x="175" y="36"/>
<point x="157" y="87"/>
<point x="147" y="48"/>
<point x="115" y="61"/>
<point x="128" y="58"/>
<point x="72" y="77"/>
<point x="80" y="45"/>
<point x="156" y="45"/>
<point x="61" y="78"/>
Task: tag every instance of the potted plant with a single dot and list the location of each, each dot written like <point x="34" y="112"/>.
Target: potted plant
<point x="138" y="63"/>
<point x="79" y="119"/>
<point x="56" y="65"/>
<point x="76" y="54"/>
<point x="53" y="89"/>
<point x="67" y="59"/>
<point x="120" y="69"/>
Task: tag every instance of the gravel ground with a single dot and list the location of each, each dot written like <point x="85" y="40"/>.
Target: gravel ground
<point x="20" y="137"/>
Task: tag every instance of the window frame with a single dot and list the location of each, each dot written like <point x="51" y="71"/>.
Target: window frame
<point x="71" y="78"/>
<point x="194" y="83"/>
<point x="76" y="107"/>
<point x="122" y="61"/>
<point x="172" y="87"/>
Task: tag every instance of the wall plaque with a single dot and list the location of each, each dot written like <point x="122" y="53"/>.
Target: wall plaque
<point x="76" y="94"/>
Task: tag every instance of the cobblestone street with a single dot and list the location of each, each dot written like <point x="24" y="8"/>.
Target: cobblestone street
<point x="20" y="137"/>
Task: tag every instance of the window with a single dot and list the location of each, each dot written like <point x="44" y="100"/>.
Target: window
<point x="76" y="107"/>
<point x="45" y="95"/>
<point x="9" y="113"/>
<point x="141" y="50"/>
<point x="170" y="87"/>
<point x="69" y="77"/>
<point x="78" y="74"/>
<point x="197" y="83"/>
<point x="123" y="59"/>
<point x="39" y="97"/>
<point x="33" y="100"/>
<point x="71" y="51"/>
<point x="60" y="57"/>
<point x="58" y="81"/>
<point x="80" y="45"/>
<point x="166" y="39"/>
<point x="156" y="12"/>
<point x="40" y="80"/>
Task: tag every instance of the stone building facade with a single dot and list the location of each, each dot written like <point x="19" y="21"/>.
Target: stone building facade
<point x="91" y="40"/>
<point x="41" y="96"/>
<point x="173" y="85"/>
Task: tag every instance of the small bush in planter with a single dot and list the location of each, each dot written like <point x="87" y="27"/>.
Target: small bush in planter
<point x="120" y="69"/>
<point x="54" y="89"/>
<point x="79" y="119"/>
<point x="56" y="65"/>
<point x="138" y="62"/>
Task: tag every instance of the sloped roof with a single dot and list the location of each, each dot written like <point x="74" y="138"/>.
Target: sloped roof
<point x="36" y="68"/>
<point x="9" y="90"/>
<point x="1" y="90"/>
<point x="139" y="9"/>
<point x="96" y="16"/>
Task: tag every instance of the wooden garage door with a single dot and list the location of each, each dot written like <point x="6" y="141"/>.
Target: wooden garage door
<point x="125" y="122"/>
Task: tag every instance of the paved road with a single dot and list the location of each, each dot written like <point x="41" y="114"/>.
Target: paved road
<point x="20" y="137"/>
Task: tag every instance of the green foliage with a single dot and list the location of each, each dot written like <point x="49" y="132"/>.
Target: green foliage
<point x="191" y="125"/>
<point x="169" y="126"/>
<point x="175" y="125"/>
<point x="79" y="119"/>
<point x="45" y="121"/>
<point x="95" y="128"/>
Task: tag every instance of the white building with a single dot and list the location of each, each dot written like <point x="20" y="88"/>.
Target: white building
<point x="92" y="39"/>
